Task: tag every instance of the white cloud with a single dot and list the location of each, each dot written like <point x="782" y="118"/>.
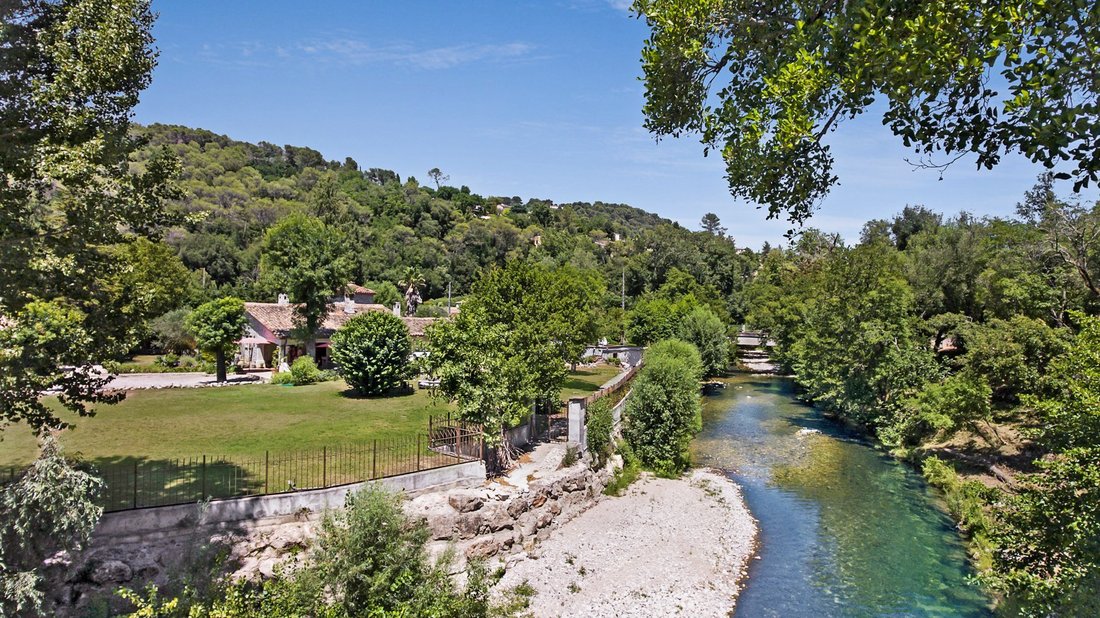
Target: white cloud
<point x="357" y="52"/>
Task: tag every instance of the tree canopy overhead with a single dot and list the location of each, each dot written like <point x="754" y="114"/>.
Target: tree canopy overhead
<point x="764" y="83"/>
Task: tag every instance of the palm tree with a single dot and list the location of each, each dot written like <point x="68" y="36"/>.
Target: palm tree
<point x="412" y="282"/>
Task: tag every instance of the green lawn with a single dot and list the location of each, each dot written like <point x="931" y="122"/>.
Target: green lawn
<point x="246" y="420"/>
<point x="585" y="381"/>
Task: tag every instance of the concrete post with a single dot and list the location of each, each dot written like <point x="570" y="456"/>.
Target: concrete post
<point x="577" y="429"/>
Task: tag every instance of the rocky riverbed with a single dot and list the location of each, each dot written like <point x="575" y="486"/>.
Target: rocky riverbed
<point x="666" y="547"/>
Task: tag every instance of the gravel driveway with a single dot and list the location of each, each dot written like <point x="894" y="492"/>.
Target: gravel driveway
<point x="194" y="379"/>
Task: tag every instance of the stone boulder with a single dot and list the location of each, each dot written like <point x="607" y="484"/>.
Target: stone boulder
<point x="465" y="501"/>
<point x="111" y="572"/>
<point x="468" y="525"/>
<point x="482" y="548"/>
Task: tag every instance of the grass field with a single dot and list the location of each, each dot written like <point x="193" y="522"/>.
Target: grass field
<point x="245" y="421"/>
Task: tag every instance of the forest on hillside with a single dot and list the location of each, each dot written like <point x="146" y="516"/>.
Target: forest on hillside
<point x="233" y="192"/>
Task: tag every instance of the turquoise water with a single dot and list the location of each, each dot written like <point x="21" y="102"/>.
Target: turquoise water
<point x="844" y="529"/>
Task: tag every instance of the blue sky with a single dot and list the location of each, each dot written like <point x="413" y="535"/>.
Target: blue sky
<point x="536" y="99"/>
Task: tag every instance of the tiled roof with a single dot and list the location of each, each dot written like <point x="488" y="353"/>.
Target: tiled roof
<point x="417" y="326"/>
<point x="279" y="319"/>
<point x="354" y="288"/>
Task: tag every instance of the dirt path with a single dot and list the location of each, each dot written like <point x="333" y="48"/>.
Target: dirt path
<point x="667" y="547"/>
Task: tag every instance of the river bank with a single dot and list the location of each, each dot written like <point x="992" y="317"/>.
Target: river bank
<point x="845" y="529"/>
<point x="666" y="547"/>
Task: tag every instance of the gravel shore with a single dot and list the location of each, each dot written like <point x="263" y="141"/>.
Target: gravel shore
<point x="666" y="547"/>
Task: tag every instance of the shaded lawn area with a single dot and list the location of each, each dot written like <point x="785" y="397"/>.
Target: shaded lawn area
<point x="587" y="380"/>
<point x="246" y="421"/>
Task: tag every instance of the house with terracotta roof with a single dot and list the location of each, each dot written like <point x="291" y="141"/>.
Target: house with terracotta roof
<point x="270" y="335"/>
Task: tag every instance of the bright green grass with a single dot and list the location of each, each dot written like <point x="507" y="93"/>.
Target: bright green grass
<point x="245" y="420"/>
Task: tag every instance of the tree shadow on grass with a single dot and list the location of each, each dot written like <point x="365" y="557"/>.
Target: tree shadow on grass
<point x="576" y="384"/>
<point x="396" y="393"/>
<point x="138" y="482"/>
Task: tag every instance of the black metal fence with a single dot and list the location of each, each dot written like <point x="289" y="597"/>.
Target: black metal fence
<point x="144" y="483"/>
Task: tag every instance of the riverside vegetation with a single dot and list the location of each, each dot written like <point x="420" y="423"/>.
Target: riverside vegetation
<point x="973" y="341"/>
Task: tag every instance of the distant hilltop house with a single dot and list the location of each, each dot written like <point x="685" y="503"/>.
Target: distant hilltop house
<point x="271" y="325"/>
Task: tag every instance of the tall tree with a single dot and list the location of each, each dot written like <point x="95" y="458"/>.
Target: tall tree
<point x="1071" y="231"/>
<point x="1049" y="531"/>
<point x="412" y="281"/>
<point x="664" y="411"/>
<point x="217" y="327"/>
<point x="70" y="74"/>
<point x="712" y="225"/>
<point x="765" y="83"/>
<point x="438" y="177"/>
<point x="308" y="260"/>
<point x="701" y="328"/>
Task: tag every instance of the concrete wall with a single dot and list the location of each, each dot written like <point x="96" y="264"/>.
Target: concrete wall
<point x="522" y="434"/>
<point x="167" y="518"/>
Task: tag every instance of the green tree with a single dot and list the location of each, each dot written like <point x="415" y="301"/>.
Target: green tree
<point x="960" y="401"/>
<point x="701" y="328"/>
<point x="492" y="373"/>
<point x="308" y="260"/>
<point x="650" y="320"/>
<point x="371" y="352"/>
<point x="1049" y="531"/>
<point x="912" y="221"/>
<point x="438" y="177"/>
<point x="508" y="346"/>
<point x="385" y="292"/>
<point x="712" y="225"/>
<point x="170" y="332"/>
<point x="70" y="74"/>
<point x="217" y="326"/>
<point x="766" y="83"/>
<point x="50" y="508"/>
<point x="664" y="411"/>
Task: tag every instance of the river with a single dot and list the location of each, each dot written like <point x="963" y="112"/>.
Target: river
<point x="845" y="530"/>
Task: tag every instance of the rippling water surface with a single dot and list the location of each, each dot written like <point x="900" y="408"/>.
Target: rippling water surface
<point x="844" y="529"/>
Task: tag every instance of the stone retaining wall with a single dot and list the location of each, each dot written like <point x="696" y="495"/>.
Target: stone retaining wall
<point x="138" y="547"/>
<point x="496" y="519"/>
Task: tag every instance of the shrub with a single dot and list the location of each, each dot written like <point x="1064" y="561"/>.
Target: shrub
<point x="571" y="456"/>
<point x="967" y="502"/>
<point x="282" y="377"/>
<point x="304" y="371"/>
<point x="168" y="360"/>
<point x="371" y="352"/>
<point x="599" y="422"/>
<point x="627" y="474"/>
<point x="664" y="411"/>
